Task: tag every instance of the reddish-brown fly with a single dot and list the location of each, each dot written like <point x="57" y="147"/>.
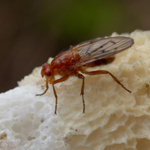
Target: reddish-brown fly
<point x="79" y="57"/>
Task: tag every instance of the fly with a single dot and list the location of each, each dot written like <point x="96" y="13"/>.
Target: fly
<point x="77" y="58"/>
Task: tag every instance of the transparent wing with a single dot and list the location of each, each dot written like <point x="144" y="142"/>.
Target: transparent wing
<point x="97" y="49"/>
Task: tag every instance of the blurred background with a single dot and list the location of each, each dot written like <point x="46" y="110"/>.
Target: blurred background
<point x="31" y="31"/>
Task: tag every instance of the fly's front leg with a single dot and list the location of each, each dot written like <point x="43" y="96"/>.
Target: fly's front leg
<point x="104" y="72"/>
<point x="57" y="81"/>
<point x="82" y="90"/>
<point x="45" y="90"/>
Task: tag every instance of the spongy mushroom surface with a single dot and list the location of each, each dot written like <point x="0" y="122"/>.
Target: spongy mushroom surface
<point x="114" y="119"/>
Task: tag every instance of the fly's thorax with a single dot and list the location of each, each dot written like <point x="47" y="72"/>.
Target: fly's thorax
<point x="65" y="60"/>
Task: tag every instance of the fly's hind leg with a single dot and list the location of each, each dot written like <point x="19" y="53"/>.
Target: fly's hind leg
<point x="82" y="90"/>
<point x="45" y="90"/>
<point x="104" y="72"/>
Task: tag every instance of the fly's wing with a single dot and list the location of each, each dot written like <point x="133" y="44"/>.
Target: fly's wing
<point x="97" y="49"/>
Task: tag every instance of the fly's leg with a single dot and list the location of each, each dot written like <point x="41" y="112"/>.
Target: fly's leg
<point x="82" y="90"/>
<point x="57" y="81"/>
<point x="45" y="90"/>
<point x="105" y="72"/>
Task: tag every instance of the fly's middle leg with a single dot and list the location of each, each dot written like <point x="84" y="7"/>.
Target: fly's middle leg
<point x="82" y="90"/>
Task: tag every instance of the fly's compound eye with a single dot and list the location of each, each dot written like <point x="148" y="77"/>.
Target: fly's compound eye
<point x="45" y="65"/>
<point x="47" y="72"/>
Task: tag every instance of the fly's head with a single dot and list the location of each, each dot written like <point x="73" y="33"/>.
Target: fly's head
<point x="47" y="72"/>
